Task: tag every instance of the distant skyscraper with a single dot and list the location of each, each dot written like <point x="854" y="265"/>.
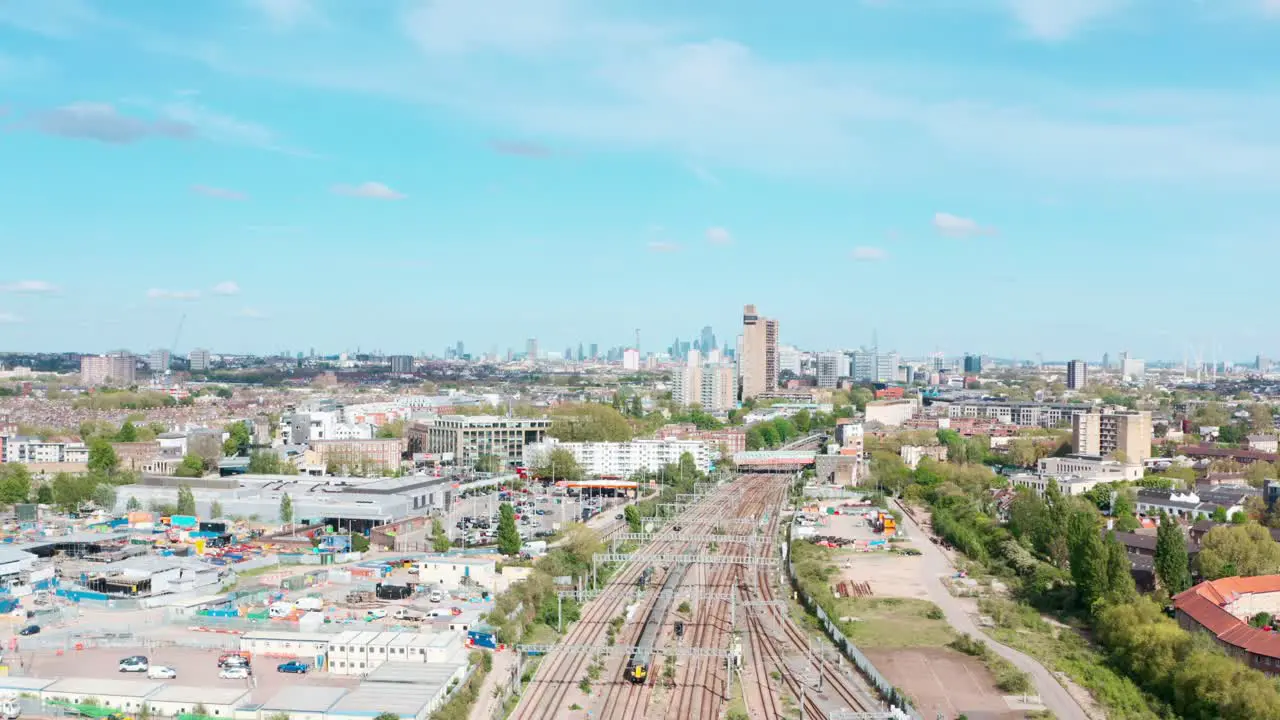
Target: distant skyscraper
<point x="595" y="351"/>
<point x="401" y="364"/>
<point x="568" y="353"/>
<point x="460" y="351"/>
<point x="531" y="349"/>
<point x="708" y="339"/>
<point x="758" y="365"/>
<point x="581" y="357"/>
<point x="1077" y="375"/>
<point x="631" y="359"/>
<point x="829" y="365"/>
<point x="159" y="359"/>
<point x="972" y="364"/>
<point x="1106" y="361"/>
<point x="199" y="359"/>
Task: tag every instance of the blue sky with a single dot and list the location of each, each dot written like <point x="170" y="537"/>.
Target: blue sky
<point x="1002" y="176"/>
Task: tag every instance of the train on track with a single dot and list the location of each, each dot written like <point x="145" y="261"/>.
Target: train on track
<point x="640" y="662"/>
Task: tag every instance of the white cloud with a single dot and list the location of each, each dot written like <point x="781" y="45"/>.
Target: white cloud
<point x="285" y="13"/>
<point x="663" y="246"/>
<point x="869" y="254"/>
<point x="8" y="318"/>
<point x="220" y="193"/>
<point x="102" y="122"/>
<point x="159" y="294"/>
<point x="374" y="190"/>
<point x="719" y="236"/>
<point x="959" y="227"/>
<point x="1056" y="20"/>
<point x="227" y="287"/>
<point x="29" y="287"/>
<point x="252" y="313"/>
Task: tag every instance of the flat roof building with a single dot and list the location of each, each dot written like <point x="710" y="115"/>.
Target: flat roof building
<point x="469" y="437"/>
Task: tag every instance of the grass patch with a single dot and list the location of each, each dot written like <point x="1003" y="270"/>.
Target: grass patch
<point x="893" y="622"/>
<point x="1065" y="650"/>
<point x="1008" y="677"/>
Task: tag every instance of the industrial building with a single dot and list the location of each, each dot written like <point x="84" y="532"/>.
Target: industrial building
<point x="303" y="702"/>
<point x="452" y="572"/>
<point x="357" y="652"/>
<point x="218" y="701"/>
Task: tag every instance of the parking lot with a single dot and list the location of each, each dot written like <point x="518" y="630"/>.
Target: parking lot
<point x="194" y="667"/>
<point x="554" y="510"/>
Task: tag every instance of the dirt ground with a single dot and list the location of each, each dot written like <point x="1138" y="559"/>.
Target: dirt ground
<point x="943" y="680"/>
<point x="195" y="667"/>
<point x="890" y="575"/>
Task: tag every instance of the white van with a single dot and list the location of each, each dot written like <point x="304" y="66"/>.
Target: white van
<point x="310" y="603"/>
<point x="439" y="613"/>
<point x="436" y="596"/>
<point x="10" y="706"/>
<point x="279" y="610"/>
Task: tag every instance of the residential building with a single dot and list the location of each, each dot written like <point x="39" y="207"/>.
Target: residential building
<point x="829" y="368"/>
<point x="686" y="381"/>
<point x="199" y="360"/>
<point x="1262" y="443"/>
<point x="94" y="370"/>
<point x="891" y="413"/>
<point x="1077" y="375"/>
<point x="719" y="387"/>
<point x="913" y="454"/>
<point x="727" y="440"/>
<point x="790" y="358"/>
<point x="158" y="361"/>
<point x="34" y="451"/>
<point x="626" y="458"/>
<point x="1223" y="608"/>
<point x="401" y="364"/>
<point x="758" y="361"/>
<point x="1187" y="506"/>
<point x="379" y="454"/>
<point x="1067" y="485"/>
<point x="972" y="364"/>
<point x="1113" y="432"/>
<point x="631" y="359"/>
<point x="1022" y="414"/>
<point x="874" y="366"/>
<point x="467" y="437"/>
<point x="1132" y="370"/>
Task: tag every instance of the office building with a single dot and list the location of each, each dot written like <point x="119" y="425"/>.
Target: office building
<point x="1077" y="375"/>
<point x="631" y="359"/>
<point x="830" y="365"/>
<point x="595" y="351"/>
<point x="708" y="339"/>
<point x="159" y="361"/>
<point x="873" y="366"/>
<point x="468" y="437"/>
<point x="199" y="360"/>
<point x="790" y="359"/>
<point x="972" y="364"/>
<point x="758" y="362"/>
<point x="402" y="364"/>
<point x="1103" y="433"/>
<point x="531" y="349"/>
<point x="1131" y="369"/>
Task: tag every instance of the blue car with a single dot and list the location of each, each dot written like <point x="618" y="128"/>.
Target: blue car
<point x="293" y="666"/>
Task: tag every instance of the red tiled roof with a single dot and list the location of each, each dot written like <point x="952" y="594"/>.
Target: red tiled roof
<point x="1204" y="604"/>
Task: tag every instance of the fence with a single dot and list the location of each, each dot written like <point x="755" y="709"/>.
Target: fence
<point x="851" y="651"/>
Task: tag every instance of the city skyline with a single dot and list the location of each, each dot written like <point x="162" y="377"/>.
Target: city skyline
<point x="652" y="155"/>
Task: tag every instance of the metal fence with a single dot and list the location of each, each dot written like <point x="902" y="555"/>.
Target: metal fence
<point x="851" y="651"/>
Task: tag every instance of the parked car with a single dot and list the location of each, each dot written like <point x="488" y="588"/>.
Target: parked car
<point x="436" y="596"/>
<point x="375" y="614"/>
<point x="233" y="659"/>
<point x="161" y="672"/>
<point x="134" y="663"/>
<point x="293" y="666"/>
<point x="234" y="672"/>
<point x="30" y="630"/>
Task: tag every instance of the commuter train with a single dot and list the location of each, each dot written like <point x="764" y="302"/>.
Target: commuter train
<point x="638" y="665"/>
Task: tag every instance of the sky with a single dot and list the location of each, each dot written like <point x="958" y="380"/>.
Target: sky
<point x="1010" y="177"/>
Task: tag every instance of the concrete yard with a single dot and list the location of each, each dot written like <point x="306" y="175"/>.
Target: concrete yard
<point x="195" y="667"/>
<point x="943" y="680"/>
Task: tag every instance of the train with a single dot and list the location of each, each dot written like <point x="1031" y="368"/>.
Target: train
<point x="638" y="665"/>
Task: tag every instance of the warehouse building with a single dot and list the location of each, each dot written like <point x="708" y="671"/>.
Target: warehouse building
<point x="451" y="572"/>
<point x="220" y="701"/>
<point x="356" y="653"/>
<point x="411" y="690"/>
<point x="311" y="647"/>
<point x="303" y="702"/>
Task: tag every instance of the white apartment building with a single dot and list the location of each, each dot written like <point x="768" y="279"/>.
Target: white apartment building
<point x="631" y="359"/>
<point x="873" y="366"/>
<point x="711" y="385"/>
<point x="625" y="458"/>
<point x="790" y="358"/>
<point x="1024" y="414"/>
<point x="199" y="359"/>
<point x="19" y="449"/>
<point x="891" y="413"/>
<point x="830" y="367"/>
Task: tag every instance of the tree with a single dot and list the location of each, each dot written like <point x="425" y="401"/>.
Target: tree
<point x="490" y="463"/>
<point x="102" y="457"/>
<point x="104" y="496"/>
<point x="44" y="495"/>
<point x="215" y="509"/>
<point x="1219" y="514"/>
<point x="755" y="438"/>
<point x="70" y="491"/>
<point x="1260" y="419"/>
<point x="508" y="535"/>
<point x="589" y="422"/>
<point x="559" y="464"/>
<point x="239" y="439"/>
<point x="1088" y="556"/>
<point x="128" y="433"/>
<point x="785" y="428"/>
<point x="632" y="516"/>
<point x="359" y="542"/>
<point x="386" y="716"/>
<point x="192" y="466"/>
<point x="803" y="421"/>
<point x="1120" y="585"/>
<point x="1123" y="512"/>
<point x="439" y="538"/>
<point x="636" y="408"/>
<point x="1171" y="563"/>
<point x="15" y="483"/>
<point x="1246" y="550"/>
<point x="186" y="500"/>
<point x="286" y="509"/>
<point x="134" y="504"/>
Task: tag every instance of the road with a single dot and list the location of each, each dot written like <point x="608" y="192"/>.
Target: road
<point x="935" y="567"/>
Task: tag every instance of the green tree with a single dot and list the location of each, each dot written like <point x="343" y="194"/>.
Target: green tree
<point x="559" y="464"/>
<point x="69" y="491"/>
<point x="589" y="422"/>
<point x="359" y="542"/>
<point x="632" y="515"/>
<point x="186" y="500"/>
<point x="44" y="495"/>
<point x="192" y="466"/>
<point x="490" y="463"/>
<point x="803" y="421"/>
<point x="286" y="509"/>
<point x="1120" y="585"/>
<point x="15" y="483"/>
<point x="636" y="408"/>
<point x="386" y="716"/>
<point x="1122" y="509"/>
<point x="1088" y="556"/>
<point x="128" y="433"/>
<point x="508" y="535"/>
<point x="1246" y="550"/>
<point x="439" y="538"/>
<point x="239" y="439"/>
<point x="785" y="428"/>
<point x="1171" y="563"/>
<point x="768" y="433"/>
<point x="755" y="438"/>
<point x="1219" y="514"/>
<point x="215" y="509"/>
<point x="133" y="505"/>
<point x="104" y="496"/>
<point x="102" y="457"/>
<point x="264" y="462"/>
